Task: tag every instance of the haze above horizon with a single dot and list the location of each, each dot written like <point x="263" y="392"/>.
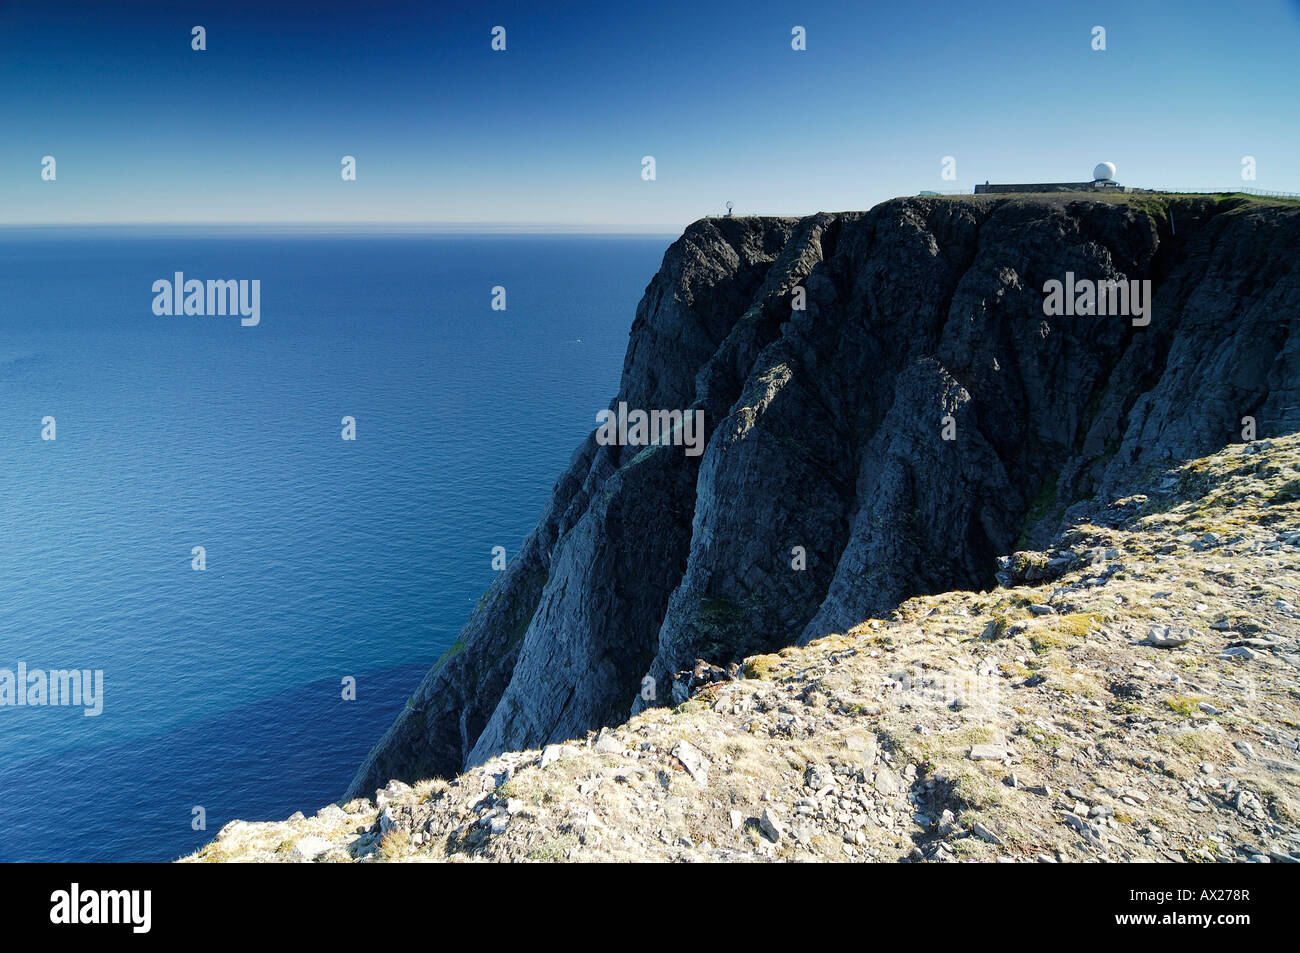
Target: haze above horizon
<point x="550" y="134"/>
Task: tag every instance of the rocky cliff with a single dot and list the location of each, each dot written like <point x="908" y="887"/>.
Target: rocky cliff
<point x="828" y="492"/>
<point x="1137" y="702"/>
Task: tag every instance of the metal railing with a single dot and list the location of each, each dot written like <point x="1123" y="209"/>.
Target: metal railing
<point x="1260" y="192"/>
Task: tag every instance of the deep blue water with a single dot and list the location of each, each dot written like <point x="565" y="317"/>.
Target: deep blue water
<point x="325" y="558"/>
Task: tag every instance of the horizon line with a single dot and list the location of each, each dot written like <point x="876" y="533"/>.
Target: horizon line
<point x="516" y="228"/>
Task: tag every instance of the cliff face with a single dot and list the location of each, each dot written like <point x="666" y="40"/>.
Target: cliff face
<point x="826" y="432"/>
<point x="1137" y="707"/>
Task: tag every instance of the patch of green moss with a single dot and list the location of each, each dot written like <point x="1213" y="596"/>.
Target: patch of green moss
<point x="451" y="651"/>
<point x="997" y="627"/>
<point x="1079" y="624"/>
<point x="1040" y="507"/>
<point x="760" y="666"/>
<point x="719" y="621"/>
<point x="1184" y="705"/>
<point x="690" y="706"/>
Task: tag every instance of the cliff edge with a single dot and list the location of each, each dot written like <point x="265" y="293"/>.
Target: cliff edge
<point x="919" y="417"/>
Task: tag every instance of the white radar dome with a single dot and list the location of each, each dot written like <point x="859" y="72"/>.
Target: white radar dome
<point x="1104" y="172"/>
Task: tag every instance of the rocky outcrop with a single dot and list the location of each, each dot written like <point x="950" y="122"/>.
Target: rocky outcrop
<point x="828" y="493"/>
<point x="1137" y="702"/>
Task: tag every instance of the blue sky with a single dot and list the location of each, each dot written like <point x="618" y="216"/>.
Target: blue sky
<point x="144" y="129"/>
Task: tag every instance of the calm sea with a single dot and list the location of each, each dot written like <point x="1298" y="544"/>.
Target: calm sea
<point x="326" y="559"/>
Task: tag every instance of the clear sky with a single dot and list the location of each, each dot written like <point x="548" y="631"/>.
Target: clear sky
<point x="145" y="129"/>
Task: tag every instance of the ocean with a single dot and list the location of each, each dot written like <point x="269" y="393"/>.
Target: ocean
<point x="325" y="559"/>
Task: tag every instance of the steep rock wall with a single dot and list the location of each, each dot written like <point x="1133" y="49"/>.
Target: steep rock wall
<point x="824" y="430"/>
